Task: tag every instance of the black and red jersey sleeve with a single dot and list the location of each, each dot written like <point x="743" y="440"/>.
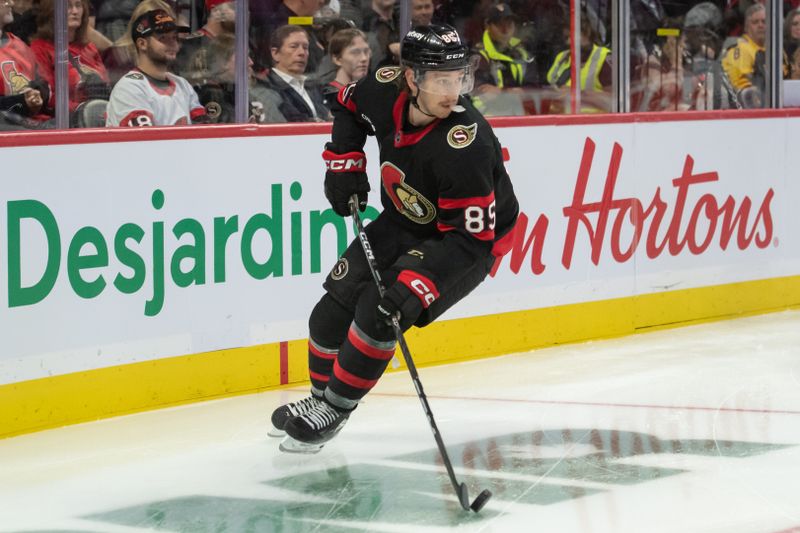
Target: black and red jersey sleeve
<point x="349" y="129"/>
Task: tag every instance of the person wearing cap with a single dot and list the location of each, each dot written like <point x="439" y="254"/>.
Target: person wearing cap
<point x="504" y="64"/>
<point x="150" y="95"/>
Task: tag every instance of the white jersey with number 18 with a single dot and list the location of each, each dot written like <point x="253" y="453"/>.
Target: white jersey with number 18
<point x="137" y="101"/>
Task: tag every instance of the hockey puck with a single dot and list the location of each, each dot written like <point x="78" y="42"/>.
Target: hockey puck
<point x="481" y="500"/>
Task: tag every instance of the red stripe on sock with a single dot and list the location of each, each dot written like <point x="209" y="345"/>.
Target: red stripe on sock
<point x="318" y="377"/>
<point x="350" y="379"/>
<point x="370" y="351"/>
<point x="321" y="355"/>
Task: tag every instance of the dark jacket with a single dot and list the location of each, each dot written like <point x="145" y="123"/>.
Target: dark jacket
<point x="291" y="104"/>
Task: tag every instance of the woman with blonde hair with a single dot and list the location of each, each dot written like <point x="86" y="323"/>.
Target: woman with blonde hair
<point x="87" y="75"/>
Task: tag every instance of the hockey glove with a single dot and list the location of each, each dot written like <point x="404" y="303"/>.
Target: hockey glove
<point x="407" y="298"/>
<point x="346" y="176"/>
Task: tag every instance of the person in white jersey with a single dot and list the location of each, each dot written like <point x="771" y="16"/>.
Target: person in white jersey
<point x="150" y="95"/>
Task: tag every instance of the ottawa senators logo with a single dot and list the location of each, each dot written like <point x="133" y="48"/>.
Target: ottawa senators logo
<point x="405" y="198"/>
<point x="213" y="110"/>
<point x="340" y="269"/>
<point x="461" y="136"/>
<point x="387" y="74"/>
<point x="15" y="81"/>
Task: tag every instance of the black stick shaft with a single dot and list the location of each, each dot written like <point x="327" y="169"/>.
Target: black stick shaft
<point x="460" y="489"/>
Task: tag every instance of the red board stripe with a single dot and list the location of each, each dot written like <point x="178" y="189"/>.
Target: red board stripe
<point x="284" y="362"/>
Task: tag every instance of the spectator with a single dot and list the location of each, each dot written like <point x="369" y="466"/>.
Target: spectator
<point x="421" y="12"/>
<point x="24" y="24"/>
<point x="265" y="18"/>
<point x="350" y="53"/>
<point x="23" y="94"/>
<point x="121" y="57"/>
<point x="744" y="63"/>
<point x="665" y="83"/>
<point x="503" y="61"/>
<point x="297" y="100"/>
<point x="193" y="61"/>
<point x="112" y="16"/>
<point x="791" y="31"/>
<point x="86" y="74"/>
<point x="218" y="94"/>
<point x="381" y="26"/>
<point x="595" y="72"/>
<point x="149" y="95"/>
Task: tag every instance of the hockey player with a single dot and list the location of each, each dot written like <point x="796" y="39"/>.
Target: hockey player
<point x="149" y="95"/>
<point x="448" y="213"/>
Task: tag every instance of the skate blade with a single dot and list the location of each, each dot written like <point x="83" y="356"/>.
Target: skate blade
<point x="290" y="445"/>
<point x="275" y="432"/>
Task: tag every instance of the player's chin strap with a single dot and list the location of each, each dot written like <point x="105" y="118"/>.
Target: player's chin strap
<point x="413" y="99"/>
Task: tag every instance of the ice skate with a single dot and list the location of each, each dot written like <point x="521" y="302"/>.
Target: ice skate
<point x="309" y="432"/>
<point x="285" y="412"/>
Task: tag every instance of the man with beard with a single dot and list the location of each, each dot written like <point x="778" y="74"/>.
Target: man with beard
<point x="149" y="95"/>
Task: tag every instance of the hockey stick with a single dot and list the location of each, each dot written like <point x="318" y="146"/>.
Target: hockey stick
<point x="460" y="488"/>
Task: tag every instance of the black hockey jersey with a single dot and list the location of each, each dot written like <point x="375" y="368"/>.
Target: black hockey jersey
<point x="445" y="181"/>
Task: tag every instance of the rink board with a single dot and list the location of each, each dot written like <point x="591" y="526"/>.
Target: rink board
<point x="127" y="286"/>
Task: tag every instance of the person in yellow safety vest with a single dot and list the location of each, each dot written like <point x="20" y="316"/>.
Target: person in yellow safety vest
<point x="503" y="64"/>
<point x="744" y="63"/>
<point x="595" y="72"/>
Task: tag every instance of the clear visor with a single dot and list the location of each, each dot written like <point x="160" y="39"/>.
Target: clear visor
<point x="446" y="82"/>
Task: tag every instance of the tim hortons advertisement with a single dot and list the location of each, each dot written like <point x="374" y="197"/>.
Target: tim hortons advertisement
<point x="226" y="242"/>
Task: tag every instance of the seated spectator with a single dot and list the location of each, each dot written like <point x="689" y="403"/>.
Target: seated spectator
<point x="380" y="23"/>
<point x="218" y="95"/>
<point x="664" y="84"/>
<point x="23" y="95"/>
<point x="297" y="100"/>
<point x="350" y="53"/>
<point x="504" y="65"/>
<point x="421" y="12"/>
<point x="150" y="95"/>
<point x="112" y="17"/>
<point x="791" y="32"/>
<point x="121" y="57"/>
<point x="87" y="76"/>
<point x="266" y="17"/>
<point x="24" y="24"/>
<point x="745" y="62"/>
<point x="192" y="62"/>
<point x="595" y="72"/>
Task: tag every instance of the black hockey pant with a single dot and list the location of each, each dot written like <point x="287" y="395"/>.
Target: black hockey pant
<point x="349" y="347"/>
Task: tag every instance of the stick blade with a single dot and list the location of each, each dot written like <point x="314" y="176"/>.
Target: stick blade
<point x="463" y="496"/>
<point x="481" y="500"/>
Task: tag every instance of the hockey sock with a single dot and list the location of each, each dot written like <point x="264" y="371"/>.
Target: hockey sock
<point x="360" y="363"/>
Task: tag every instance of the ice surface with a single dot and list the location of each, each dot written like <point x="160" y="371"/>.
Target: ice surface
<point x="683" y="430"/>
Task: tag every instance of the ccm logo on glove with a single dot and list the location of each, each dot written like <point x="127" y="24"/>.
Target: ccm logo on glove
<point x="349" y="162"/>
<point x="422" y="287"/>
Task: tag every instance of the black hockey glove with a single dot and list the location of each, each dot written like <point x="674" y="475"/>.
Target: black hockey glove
<point x="407" y="298"/>
<point x="346" y="176"/>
